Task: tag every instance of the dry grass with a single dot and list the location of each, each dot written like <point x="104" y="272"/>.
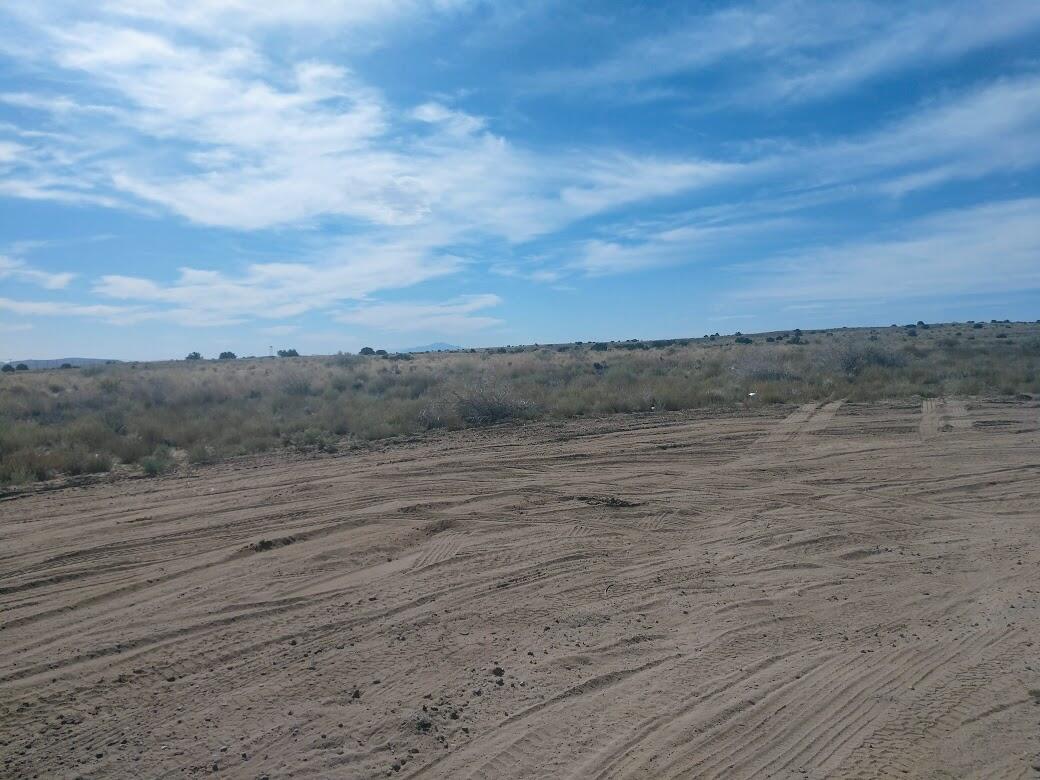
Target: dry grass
<point x="152" y="416"/>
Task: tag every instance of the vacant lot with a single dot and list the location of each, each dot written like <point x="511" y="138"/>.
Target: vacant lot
<point x="837" y="589"/>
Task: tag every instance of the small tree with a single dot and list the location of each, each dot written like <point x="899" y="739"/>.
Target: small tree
<point x="66" y="365"/>
<point x="21" y="367"/>
<point x="228" y="355"/>
<point x="366" y="351"/>
<point x="7" y="368"/>
<point x="288" y="353"/>
<point x="193" y="356"/>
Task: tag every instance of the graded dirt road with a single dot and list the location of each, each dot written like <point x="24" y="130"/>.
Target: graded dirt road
<point x="839" y="590"/>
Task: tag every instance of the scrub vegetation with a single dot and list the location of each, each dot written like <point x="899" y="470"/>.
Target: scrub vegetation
<point x="154" y="417"/>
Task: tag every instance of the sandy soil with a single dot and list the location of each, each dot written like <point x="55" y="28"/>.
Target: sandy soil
<point x="844" y="591"/>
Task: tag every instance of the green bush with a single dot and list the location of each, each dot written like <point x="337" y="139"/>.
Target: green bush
<point x="159" y="462"/>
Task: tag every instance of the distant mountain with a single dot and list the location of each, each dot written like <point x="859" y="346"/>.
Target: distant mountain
<point x="73" y="361"/>
<point x="437" y="346"/>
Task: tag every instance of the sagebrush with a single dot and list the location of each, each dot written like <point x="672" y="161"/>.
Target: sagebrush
<point x="156" y="416"/>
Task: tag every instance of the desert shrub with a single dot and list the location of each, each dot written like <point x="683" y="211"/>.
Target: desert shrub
<point x="130" y="412"/>
<point x="79" y="460"/>
<point x="486" y="404"/>
<point x="201" y="454"/>
<point x="131" y="449"/>
<point x="25" y="466"/>
<point x="228" y="355"/>
<point x="854" y="358"/>
<point x="159" y="462"/>
<point x="296" y="385"/>
<point x="8" y="368"/>
<point x="311" y="439"/>
<point x="764" y="366"/>
<point x="193" y="356"/>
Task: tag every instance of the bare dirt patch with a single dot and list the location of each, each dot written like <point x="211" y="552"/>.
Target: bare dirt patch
<point x="588" y="599"/>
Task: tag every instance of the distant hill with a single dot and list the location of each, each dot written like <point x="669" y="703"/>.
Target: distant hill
<point x="73" y="361"/>
<point x="437" y="346"/>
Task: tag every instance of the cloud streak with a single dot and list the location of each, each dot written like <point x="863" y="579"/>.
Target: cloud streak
<point x="991" y="248"/>
<point x="452" y="317"/>
<point x="11" y="268"/>
<point x="793" y="50"/>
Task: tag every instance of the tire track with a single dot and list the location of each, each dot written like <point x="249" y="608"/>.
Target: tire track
<point x="840" y="607"/>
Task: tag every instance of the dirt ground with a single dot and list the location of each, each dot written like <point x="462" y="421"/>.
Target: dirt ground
<point x="838" y="590"/>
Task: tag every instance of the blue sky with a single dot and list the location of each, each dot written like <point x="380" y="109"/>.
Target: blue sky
<point x="223" y="174"/>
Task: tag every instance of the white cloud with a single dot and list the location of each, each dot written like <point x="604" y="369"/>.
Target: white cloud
<point x="795" y="49"/>
<point x="450" y="317"/>
<point x="226" y="135"/>
<point x="277" y="290"/>
<point x="925" y="34"/>
<point x="61" y="309"/>
<point x="10" y="151"/>
<point x="990" y="248"/>
<point x="11" y="268"/>
<point x="990" y="129"/>
<point x="654" y="248"/>
<point x="457" y="122"/>
<point x="209" y="15"/>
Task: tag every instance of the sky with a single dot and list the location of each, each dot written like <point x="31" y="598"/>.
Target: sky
<point x="224" y="174"/>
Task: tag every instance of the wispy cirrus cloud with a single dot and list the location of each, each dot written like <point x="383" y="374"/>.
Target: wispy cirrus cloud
<point x="657" y="245"/>
<point x="991" y="129"/>
<point x="793" y="50"/>
<point x="278" y="290"/>
<point x="453" y="317"/>
<point x="63" y="309"/>
<point x="207" y="15"/>
<point x="989" y="248"/>
<point x="13" y="268"/>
